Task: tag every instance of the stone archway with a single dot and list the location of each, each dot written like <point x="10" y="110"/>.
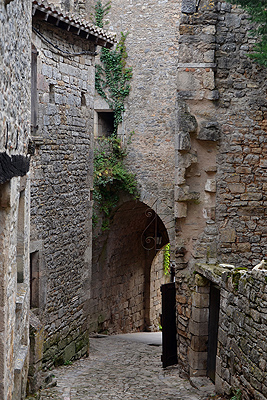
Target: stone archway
<point x="122" y="258"/>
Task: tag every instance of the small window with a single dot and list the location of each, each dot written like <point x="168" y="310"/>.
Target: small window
<point x="34" y="279"/>
<point x="83" y="99"/>
<point x="105" y="123"/>
<point x="52" y="94"/>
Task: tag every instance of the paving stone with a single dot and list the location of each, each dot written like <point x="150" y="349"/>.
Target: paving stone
<point x="121" y="369"/>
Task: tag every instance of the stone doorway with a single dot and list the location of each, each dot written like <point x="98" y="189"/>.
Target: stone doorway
<point x="124" y="259"/>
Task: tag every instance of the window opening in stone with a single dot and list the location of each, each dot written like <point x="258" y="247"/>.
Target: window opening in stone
<point x="51" y="93"/>
<point x="83" y="99"/>
<point x="214" y="310"/>
<point x="20" y="238"/>
<point x="105" y="124"/>
<point x="34" y="279"/>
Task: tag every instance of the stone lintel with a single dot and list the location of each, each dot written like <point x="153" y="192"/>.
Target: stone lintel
<point x="197" y="65"/>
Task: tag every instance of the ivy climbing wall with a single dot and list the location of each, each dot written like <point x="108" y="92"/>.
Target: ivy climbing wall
<point x="150" y="108"/>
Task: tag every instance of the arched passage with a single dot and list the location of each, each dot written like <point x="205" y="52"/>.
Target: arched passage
<point x="122" y="259"/>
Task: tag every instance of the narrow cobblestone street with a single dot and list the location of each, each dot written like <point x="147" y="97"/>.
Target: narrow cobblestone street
<point x="119" y="368"/>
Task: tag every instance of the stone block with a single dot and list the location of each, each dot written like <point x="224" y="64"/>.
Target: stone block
<point x="187" y="122"/>
<point x="200" y="300"/>
<point x="182" y="194"/>
<point x="237" y="187"/>
<point x="200" y="314"/>
<point x="251" y="196"/>
<point x="208" y="80"/>
<point x="209" y="131"/>
<point x="69" y="351"/>
<point x="184" y="141"/>
<point x="197" y="359"/>
<point x="188" y="6"/>
<point x="197" y="372"/>
<point x="210" y="186"/>
<point x="180" y="209"/>
<point x="228" y="235"/>
<point x="180" y="176"/>
<point x="199" y="343"/>
<point x="198" y="328"/>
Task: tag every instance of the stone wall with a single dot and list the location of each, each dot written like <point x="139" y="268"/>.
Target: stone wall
<point x="241" y="177"/>
<point x="15" y="31"/>
<point x="14" y="89"/>
<point x="152" y="45"/>
<point x="149" y="120"/>
<point x="220" y="183"/>
<point x="221" y="142"/>
<point x="61" y="184"/>
<point x="241" y="356"/>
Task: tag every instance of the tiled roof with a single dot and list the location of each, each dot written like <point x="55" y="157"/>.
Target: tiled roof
<point x="72" y="22"/>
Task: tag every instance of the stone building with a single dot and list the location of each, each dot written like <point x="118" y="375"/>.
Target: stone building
<point x="63" y="51"/>
<point x="122" y="275"/>
<point x="221" y="200"/>
<point x="15" y="31"/>
<point x="197" y="108"/>
<point x="196" y="115"/>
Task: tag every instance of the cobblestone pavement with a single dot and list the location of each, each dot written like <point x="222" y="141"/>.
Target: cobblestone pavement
<point x="120" y="369"/>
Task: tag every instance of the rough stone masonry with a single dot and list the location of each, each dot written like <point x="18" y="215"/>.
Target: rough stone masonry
<point x="63" y="51"/>
<point x="14" y="197"/>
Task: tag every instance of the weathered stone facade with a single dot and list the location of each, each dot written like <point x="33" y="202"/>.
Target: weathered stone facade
<point x="14" y="197"/>
<point x="241" y="356"/>
<point x="216" y="102"/>
<point x="220" y="198"/>
<point x="61" y="203"/>
<point x="197" y="111"/>
<point x="149" y="120"/>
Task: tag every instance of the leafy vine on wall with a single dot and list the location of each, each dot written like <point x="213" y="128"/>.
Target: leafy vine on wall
<point x="111" y="177"/>
<point x="112" y="82"/>
<point x="112" y="76"/>
<point x="258" y="14"/>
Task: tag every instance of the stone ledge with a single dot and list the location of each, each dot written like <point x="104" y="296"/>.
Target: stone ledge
<point x="20" y="359"/>
<point x="197" y="65"/>
<point x="22" y="289"/>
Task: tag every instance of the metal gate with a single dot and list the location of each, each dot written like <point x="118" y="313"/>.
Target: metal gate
<point x="169" y="342"/>
<point x="213" y="330"/>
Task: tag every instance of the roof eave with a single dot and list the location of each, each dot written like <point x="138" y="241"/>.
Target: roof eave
<point x="92" y="33"/>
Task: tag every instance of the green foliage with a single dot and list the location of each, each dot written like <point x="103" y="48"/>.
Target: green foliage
<point x="112" y="83"/>
<point x="100" y="13"/>
<point x="67" y="362"/>
<point x="237" y="275"/>
<point x="166" y="259"/>
<point x="237" y="395"/>
<point x="258" y="14"/>
<point x="111" y="177"/>
<point x="112" y="75"/>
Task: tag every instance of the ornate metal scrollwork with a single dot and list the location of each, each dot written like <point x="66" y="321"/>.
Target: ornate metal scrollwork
<point x="150" y="237"/>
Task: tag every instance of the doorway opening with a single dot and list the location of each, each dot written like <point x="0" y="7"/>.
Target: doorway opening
<point x="214" y="310"/>
<point x="126" y="263"/>
<point x="203" y="328"/>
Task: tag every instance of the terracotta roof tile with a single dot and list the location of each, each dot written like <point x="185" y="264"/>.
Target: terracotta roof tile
<point x="73" y="20"/>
